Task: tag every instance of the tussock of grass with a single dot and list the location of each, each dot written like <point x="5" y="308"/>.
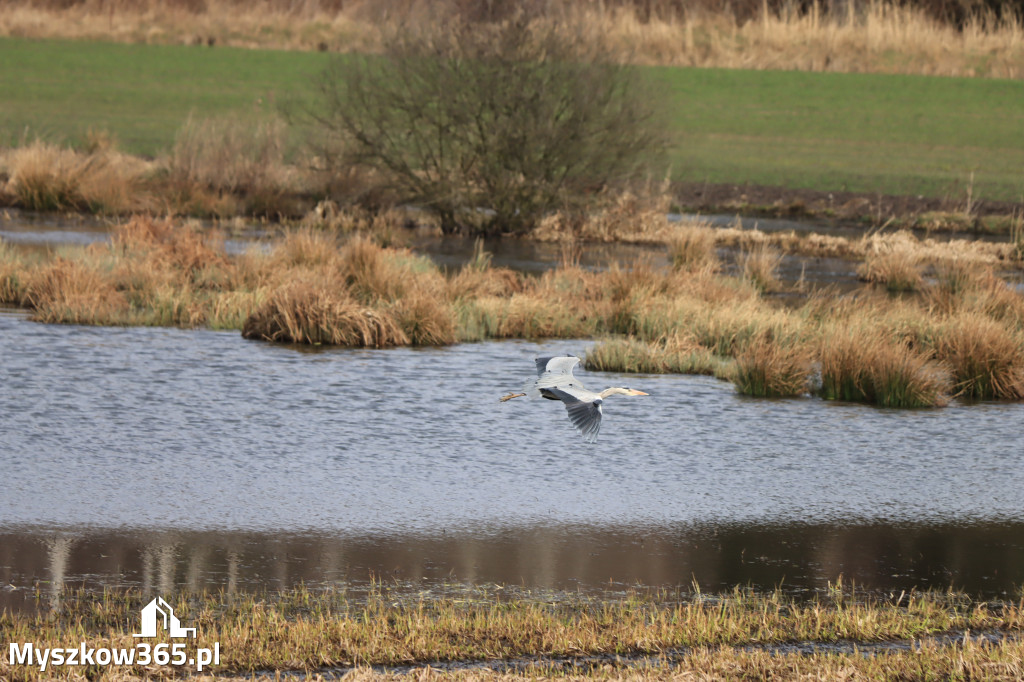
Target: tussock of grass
<point x="426" y="319"/>
<point x="986" y="358"/>
<point x="897" y="269"/>
<point x="865" y="364"/>
<point x="304" y="313"/>
<point x="692" y="247"/>
<point x="759" y="267"/>
<point x="69" y="292"/>
<point x="769" y="368"/>
<point x="674" y="354"/>
<point x="47" y="177"/>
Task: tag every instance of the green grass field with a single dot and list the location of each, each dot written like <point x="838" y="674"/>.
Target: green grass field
<point x="825" y="131"/>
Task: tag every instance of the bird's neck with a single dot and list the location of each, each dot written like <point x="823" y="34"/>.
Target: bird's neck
<point x="612" y="391"/>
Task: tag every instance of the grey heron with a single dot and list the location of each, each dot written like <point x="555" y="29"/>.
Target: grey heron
<point x="555" y="381"/>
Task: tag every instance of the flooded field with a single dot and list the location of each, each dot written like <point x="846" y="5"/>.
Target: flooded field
<point x="163" y="458"/>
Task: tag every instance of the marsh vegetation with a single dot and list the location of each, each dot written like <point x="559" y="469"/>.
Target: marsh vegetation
<point x="928" y="37"/>
<point x="310" y="631"/>
<point x="959" y="334"/>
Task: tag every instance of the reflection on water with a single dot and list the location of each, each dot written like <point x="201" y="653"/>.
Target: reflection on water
<point x="982" y="559"/>
<point x="273" y="465"/>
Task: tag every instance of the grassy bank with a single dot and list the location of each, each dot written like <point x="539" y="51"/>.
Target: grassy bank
<point x="300" y="630"/>
<point x="961" y="334"/>
<point x="953" y="138"/>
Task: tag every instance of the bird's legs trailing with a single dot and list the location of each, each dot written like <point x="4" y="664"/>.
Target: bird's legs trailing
<point x="509" y="396"/>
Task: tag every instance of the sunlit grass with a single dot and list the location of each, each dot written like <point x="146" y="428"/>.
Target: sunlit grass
<point x="961" y="335"/>
<point x="303" y="630"/>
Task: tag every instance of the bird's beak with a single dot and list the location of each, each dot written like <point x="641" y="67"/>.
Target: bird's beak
<point x="636" y="392"/>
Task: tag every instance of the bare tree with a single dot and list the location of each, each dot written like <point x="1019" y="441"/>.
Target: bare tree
<point x="488" y="124"/>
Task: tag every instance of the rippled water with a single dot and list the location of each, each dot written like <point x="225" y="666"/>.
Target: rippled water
<point x="127" y="450"/>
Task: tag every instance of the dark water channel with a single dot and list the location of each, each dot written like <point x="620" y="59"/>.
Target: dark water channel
<point x="166" y="458"/>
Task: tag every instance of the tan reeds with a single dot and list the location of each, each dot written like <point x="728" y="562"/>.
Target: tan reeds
<point x="692" y="247"/>
<point x="986" y="358"/>
<point x="769" y="367"/>
<point x="70" y="292"/>
<point x="47" y="177"/>
<point x="896" y="269"/>
<point x="304" y="313"/>
<point x="759" y="267"/>
<point x="226" y="167"/>
<point x="962" y="335"/>
<point x="677" y="354"/>
<point x="426" y="318"/>
<point x="886" y="37"/>
<point x="866" y="364"/>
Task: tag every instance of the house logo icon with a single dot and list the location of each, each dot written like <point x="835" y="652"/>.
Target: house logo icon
<point x="158" y="611"/>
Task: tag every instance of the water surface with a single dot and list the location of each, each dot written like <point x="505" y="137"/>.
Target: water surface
<point x="334" y="464"/>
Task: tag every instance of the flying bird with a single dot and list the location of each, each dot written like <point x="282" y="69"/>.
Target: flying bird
<point x="556" y="382"/>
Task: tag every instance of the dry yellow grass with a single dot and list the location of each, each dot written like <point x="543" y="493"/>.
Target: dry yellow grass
<point x="864" y="363"/>
<point x="770" y="367"/>
<point x="759" y="266"/>
<point x="47" y="177"/>
<point x="961" y="335"/>
<point x="871" y="37"/>
<point x="985" y="356"/>
<point x="665" y="633"/>
<point x="228" y="167"/>
<point x="692" y="246"/>
<point x="305" y="313"/>
<point x="217" y="167"/>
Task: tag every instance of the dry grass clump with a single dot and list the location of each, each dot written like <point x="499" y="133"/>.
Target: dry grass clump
<point x="226" y="167"/>
<point x="676" y="354"/>
<point x="985" y="357"/>
<point x="860" y="363"/>
<point x="479" y="283"/>
<point x="47" y="177"/>
<point x="768" y="367"/>
<point x="305" y="313"/>
<point x="692" y="247"/>
<point x="426" y="318"/>
<point x="70" y="292"/>
<point x="977" y="290"/>
<point x="628" y="216"/>
<point x="897" y="270"/>
<point x="759" y="266"/>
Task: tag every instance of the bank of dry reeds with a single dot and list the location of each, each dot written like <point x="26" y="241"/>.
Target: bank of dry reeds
<point x="216" y="168"/>
<point x="42" y="176"/>
<point x="890" y="37"/>
<point x="961" y="335"/>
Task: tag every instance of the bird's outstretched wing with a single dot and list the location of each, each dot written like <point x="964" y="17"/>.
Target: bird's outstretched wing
<point x="585" y="415"/>
<point x="555" y="372"/>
